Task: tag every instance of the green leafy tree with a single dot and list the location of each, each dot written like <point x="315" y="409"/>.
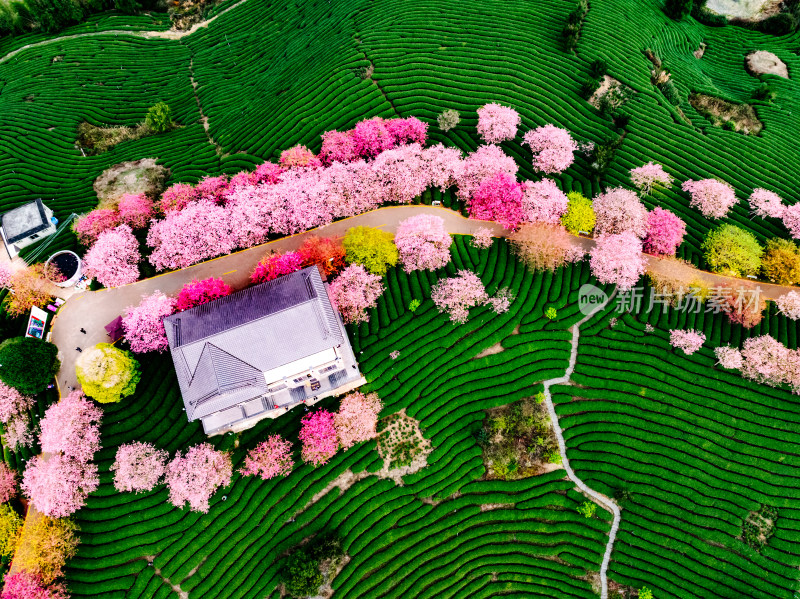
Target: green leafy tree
<point x="302" y="576"/>
<point x="28" y="364"/>
<point x="645" y="593"/>
<point x="781" y="262"/>
<point x="551" y="313"/>
<point x="107" y="373"/>
<point x="370" y="247"/>
<point x="415" y="303"/>
<point x="159" y="118"/>
<point x="678" y="9"/>
<point x="587" y="509"/>
<point x="579" y="215"/>
<point x="732" y="251"/>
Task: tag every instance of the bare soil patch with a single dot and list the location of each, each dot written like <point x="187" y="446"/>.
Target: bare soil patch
<point x="490" y="351"/>
<point x="762" y="62"/>
<point x="134" y="177"/>
<point x="750" y="10"/>
<point x="738" y="117"/>
<point x="611" y="95"/>
<point x="698" y="54"/>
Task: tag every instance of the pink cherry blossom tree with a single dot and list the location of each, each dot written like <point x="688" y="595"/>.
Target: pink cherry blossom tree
<point x="497" y="123"/>
<point x="619" y="210"/>
<point x="355" y="291"/>
<point x="136" y="210"/>
<point x="498" y="198"/>
<point x="544" y="202"/>
<point x="482" y="164"/>
<point x="138" y="467"/>
<point x="195" y="477"/>
<point x="177" y="197"/>
<point x="143" y="325"/>
<point x="714" y="198"/>
<point x="665" y="232"/>
<point x="18" y="432"/>
<point x="357" y="418"/>
<point x="766" y="203"/>
<point x="196" y="293"/>
<point x="72" y="427"/>
<point x="644" y="178"/>
<point x="241" y="179"/>
<point x="482" y="238"/>
<point x="213" y="189"/>
<point x="352" y="188"/>
<point x="13" y="403"/>
<point x="791" y="220"/>
<point x="443" y="166"/>
<point x="319" y="438"/>
<point x="500" y="302"/>
<point x="423" y="243"/>
<point x="400" y="174"/>
<point x="273" y="266"/>
<point x="552" y="148"/>
<point x="689" y="340"/>
<point x="409" y="130"/>
<point x="26" y="585"/>
<point x="728" y="357"/>
<point x="114" y="258"/>
<point x="456" y="295"/>
<point x="59" y="485"/>
<point x="337" y="146"/>
<point x="299" y="157"/>
<point x="765" y="360"/>
<point x="371" y="137"/>
<point x="268" y="172"/>
<point x="8" y="483"/>
<point x="789" y="305"/>
<point x="617" y="259"/>
<point x="269" y="459"/>
<point x="89" y="226"/>
<point x="200" y="231"/>
<point x="5" y="274"/>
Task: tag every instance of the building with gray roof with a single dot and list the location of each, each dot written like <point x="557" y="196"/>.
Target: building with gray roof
<point x="261" y="351"/>
<point x="25" y="225"/>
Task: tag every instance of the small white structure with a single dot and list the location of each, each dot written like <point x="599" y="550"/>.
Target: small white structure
<point x="25" y="225"/>
<point x="74" y="262"/>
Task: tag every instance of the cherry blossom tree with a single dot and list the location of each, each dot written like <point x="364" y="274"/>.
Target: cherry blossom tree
<point x="500" y="302"/>
<point x="765" y="360"/>
<point x="497" y="123"/>
<point x="195" y="477"/>
<point x="409" y="130"/>
<point x="644" y="178"/>
<point x="498" y="198"/>
<point x="544" y="202"/>
<point x="138" y="467"/>
<point x="766" y="203"/>
<point x="114" y="258"/>
<point x="327" y="253"/>
<point x="789" y="305"/>
<point x="13" y="403"/>
<point x="337" y="146"/>
<point x="89" y="226"/>
<point x="135" y="210"/>
<point x="371" y="137"/>
<point x="689" y="341"/>
<point x="791" y="220"/>
<point x="619" y="210"/>
<point x="269" y="459"/>
<point x="357" y="418"/>
<point x="72" y="427"/>
<point x="273" y="266"/>
<point x="26" y="585"/>
<point x="319" y="438"/>
<point x="354" y="291"/>
<point x="18" y="432"/>
<point x="444" y="166"/>
<point x="197" y="293"/>
<point x="545" y="247"/>
<point x="714" y="198"/>
<point x="143" y="325"/>
<point x="456" y="295"/>
<point x="665" y="232"/>
<point x="482" y="238"/>
<point x="8" y="483"/>
<point x="177" y="197"/>
<point x="483" y="163"/>
<point x="59" y="485"/>
<point x="617" y="259"/>
<point x="352" y="188"/>
<point x="268" y="172"/>
<point x="5" y="274"/>
<point x="253" y="211"/>
<point x="241" y="179"/>
<point x="728" y="357"/>
<point x="552" y="148"/>
<point x="213" y="189"/>
<point x="299" y="157"/>
<point x="400" y="174"/>
<point x="423" y="243"/>
<point x="200" y="231"/>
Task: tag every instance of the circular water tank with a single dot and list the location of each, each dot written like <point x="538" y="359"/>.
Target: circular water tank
<point x="69" y="264"/>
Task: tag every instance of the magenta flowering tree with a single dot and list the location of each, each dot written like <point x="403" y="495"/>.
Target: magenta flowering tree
<point x="337" y="146"/>
<point x="200" y="231"/>
<point x="26" y="585"/>
<point x="482" y="164"/>
<point x="114" y="258"/>
<point x="711" y="196"/>
<point x="177" y="197"/>
<point x="319" y="438"/>
<point x="553" y="148"/>
<point x="299" y="157"/>
<point x="195" y="477"/>
<point x="619" y="210"/>
<point x="409" y="130"/>
<point x="665" y="232"/>
<point x="498" y="198"/>
<point x="617" y="259"/>
<point x="135" y="210"/>
<point x="241" y="179"/>
<point x="766" y="203"/>
<point x="650" y="175"/>
<point x="791" y="220"/>
<point x="89" y="226"/>
<point x="143" y="325"/>
<point x="728" y="357"/>
<point x="59" y="485"/>
<point x="355" y="291"/>
<point x="269" y="459"/>
<point x="8" y="483"/>
<point x="789" y="305"/>
<point x="13" y="403"/>
<point x="357" y="418"/>
<point x="482" y="238"/>
<point x="138" y="467"/>
<point x="213" y="189"/>
<point x="544" y="202"/>
<point x="72" y="427"/>
<point x="196" y="293"/>
<point x="423" y="243"/>
<point x="456" y="295"/>
<point x="400" y="174"/>
<point x="689" y="341"/>
<point x="268" y="172"/>
<point x="273" y="266"/>
<point x="497" y="123"/>
<point x="371" y="137"/>
<point x="443" y="166"/>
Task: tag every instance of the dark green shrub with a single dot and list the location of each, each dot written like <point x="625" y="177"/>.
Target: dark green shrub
<point x="28" y="364"/>
<point x="763" y="93"/>
<point x="48" y="15"/>
<point x="670" y="92"/>
<point x="678" y="9"/>
<point x="780" y="24"/>
<point x="572" y="30"/>
<point x="598" y="68"/>
<point x="302" y="576"/>
<point x="702" y="15"/>
<point x="588" y="87"/>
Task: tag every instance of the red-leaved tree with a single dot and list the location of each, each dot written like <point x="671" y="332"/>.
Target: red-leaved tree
<point x="269" y="459"/>
<point x="196" y="293"/>
<point x="195" y="477"/>
<point x="325" y="252"/>
<point x="273" y="266"/>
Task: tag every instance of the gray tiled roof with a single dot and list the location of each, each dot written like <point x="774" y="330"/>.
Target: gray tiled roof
<point x="221" y="349"/>
<point x="23" y="221"/>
